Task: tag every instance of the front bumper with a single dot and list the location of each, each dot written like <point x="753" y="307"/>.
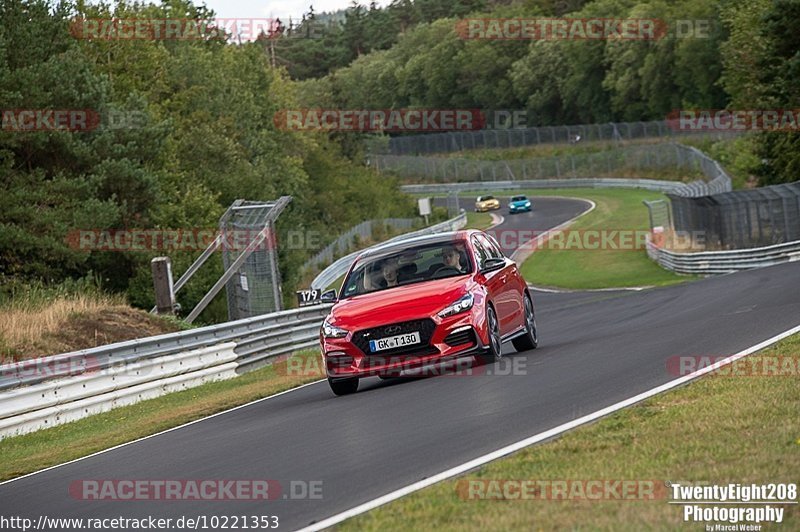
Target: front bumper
<point x="343" y="358"/>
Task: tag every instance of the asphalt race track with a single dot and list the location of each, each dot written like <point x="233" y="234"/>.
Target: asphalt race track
<point x="595" y="349"/>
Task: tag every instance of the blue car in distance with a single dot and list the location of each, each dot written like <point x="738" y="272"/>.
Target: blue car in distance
<point x="519" y="204"/>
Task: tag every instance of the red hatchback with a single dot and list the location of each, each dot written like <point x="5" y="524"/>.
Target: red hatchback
<point x="422" y="300"/>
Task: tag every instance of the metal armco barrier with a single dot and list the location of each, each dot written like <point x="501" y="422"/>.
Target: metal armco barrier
<point x="594" y="182"/>
<point x="44" y="392"/>
<point x="718" y="262"/>
<point x="49" y="391"/>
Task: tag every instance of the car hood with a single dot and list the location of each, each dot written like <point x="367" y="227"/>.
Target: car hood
<point x="519" y="203"/>
<point x="402" y="303"/>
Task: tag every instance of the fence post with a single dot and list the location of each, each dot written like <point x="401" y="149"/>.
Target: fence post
<point x="162" y="282"/>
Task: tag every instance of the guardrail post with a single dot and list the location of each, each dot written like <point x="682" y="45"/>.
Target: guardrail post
<point x="162" y="282"/>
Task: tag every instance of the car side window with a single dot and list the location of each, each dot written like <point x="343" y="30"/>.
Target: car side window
<point x="491" y="246"/>
<point x="481" y="254"/>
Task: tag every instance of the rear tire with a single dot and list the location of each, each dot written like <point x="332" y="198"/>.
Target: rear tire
<point x="343" y="386"/>
<point x="494" y="350"/>
<point x="529" y="340"/>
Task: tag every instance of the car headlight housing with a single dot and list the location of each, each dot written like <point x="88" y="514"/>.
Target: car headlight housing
<point x="331" y="331"/>
<point x="460" y="305"/>
<point x="527" y="203"/>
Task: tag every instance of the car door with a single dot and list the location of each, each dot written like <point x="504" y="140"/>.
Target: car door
<point x="510" y="296"/>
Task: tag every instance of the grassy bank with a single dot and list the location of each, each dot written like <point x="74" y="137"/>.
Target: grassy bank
<point x="569" y="267"/>
<point x="40" y="321"/>
<point x="719" y="429"/>
<point x="44" y="448"/>
<point x="616" y="209"/>
<point x="478" y="220"/>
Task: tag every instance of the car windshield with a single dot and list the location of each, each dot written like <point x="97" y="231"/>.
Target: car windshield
<point x="519" y="198"/>
<point x="407" y="266"/>
<point x="485" y="198"/>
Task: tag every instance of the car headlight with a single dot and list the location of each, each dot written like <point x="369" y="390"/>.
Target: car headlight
<point x="462" y="304"/>
<point x="527" y="203"/>
<point x="330" y="331"/>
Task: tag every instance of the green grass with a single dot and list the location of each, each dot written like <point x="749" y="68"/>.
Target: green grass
<point x="592" y="269"/>
<point x="617" y="209"/>
<point x="337" y="284"/>
<point x="478" y="220"/>
<point x="44" y="448"/>
<point x="717" y="429"/>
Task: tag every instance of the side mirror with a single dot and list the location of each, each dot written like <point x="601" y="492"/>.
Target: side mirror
<point x="492" y="263"/>
<point x="328" y="296"/>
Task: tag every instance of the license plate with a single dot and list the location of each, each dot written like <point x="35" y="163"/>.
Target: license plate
<point x="392" y="342"/>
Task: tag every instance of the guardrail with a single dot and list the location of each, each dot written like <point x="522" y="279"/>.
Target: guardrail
<point x="45" y="392"/>
<point x="719" y="262"/>
<point x="52" y="390"/>
<point x="340" y="266"/>
<point x="531" y="184"/>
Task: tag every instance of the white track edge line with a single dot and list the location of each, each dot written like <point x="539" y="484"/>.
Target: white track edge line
<point x="185" y="424"/>
<point x="158" y="433"/>
<point x="481" y="460"/>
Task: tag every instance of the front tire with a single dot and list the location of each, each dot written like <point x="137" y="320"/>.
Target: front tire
<point x="529" y="340"/>
<point x="494" y="351"/>
<point x="343" y="386"/>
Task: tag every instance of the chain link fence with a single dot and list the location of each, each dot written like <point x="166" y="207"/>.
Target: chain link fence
<point x="614" y="162"/>
<point x="517" y="137"/>
<point x="741" y="219"/>
<point x="256" y="287"/>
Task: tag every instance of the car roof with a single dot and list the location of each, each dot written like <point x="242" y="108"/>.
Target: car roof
<point x="403" y="243"/>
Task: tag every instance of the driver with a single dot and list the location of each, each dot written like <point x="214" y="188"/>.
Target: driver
<point x="452" y="258"/>
<point x="389" y="270"/>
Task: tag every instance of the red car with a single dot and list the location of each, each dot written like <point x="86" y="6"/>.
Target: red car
<point x="422" y="300"/>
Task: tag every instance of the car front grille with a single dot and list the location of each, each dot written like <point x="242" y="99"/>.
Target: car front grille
<point x="424" y="326"/>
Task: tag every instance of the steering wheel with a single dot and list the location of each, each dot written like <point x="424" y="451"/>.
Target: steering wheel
<point x="444" y="271"/>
